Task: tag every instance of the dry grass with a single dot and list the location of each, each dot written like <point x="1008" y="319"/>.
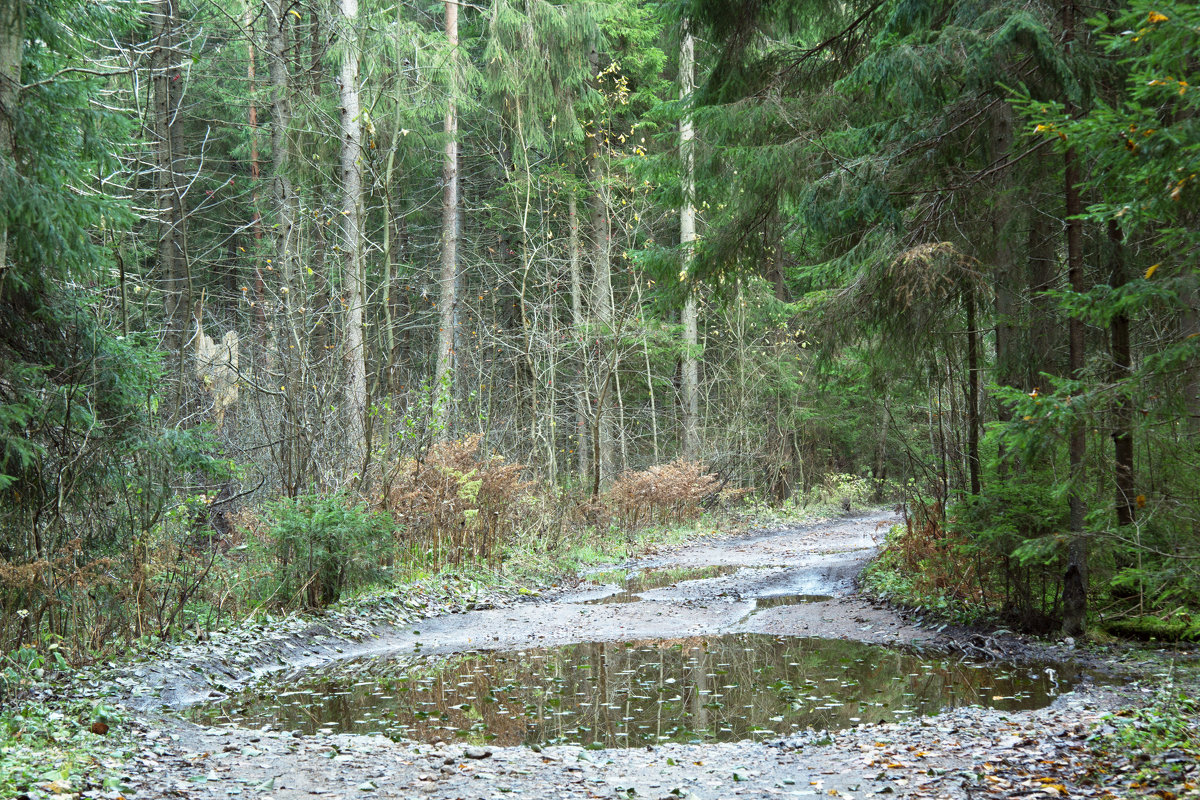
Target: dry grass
<point x="663" y="494"/>
<point x="455" y="500"/>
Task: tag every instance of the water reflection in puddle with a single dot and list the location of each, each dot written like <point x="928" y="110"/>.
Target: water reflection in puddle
<point x="789" y="600"/>
<point x="633" y="584"/>
<point x="620" y="694"/>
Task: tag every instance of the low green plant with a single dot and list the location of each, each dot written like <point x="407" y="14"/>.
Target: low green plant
<point x="58" y="748"/>
<point x="1016" y="532"/>
<point x="322" y="545"/>
<point x="887" y="578"/>
<point x="54" y="747"/>
<point x="1150" y="750"/>
<point x="1181" y="627"/>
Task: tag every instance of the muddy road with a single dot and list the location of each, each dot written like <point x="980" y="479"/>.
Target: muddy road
<point x="798" y="582"/>
<point x="723" y="669"/>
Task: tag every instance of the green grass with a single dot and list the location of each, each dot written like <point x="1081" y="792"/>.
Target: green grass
<point x="50" y="749"/>
<point x="1151" y="751"/>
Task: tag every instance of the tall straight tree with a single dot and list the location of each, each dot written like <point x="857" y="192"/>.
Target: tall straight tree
<point x="1075" y="581"/>
<point x="687" y="239"/>
<point x="12" y="43"/>
<point x="167" y="78"/>
<point x="354" y="235"/>
<point x="603" y="439"/>
<point x="448" y="280"/>
<point x="260" y="318"/>
<point x="578" y="320"/>
<point x="284" y="196"/>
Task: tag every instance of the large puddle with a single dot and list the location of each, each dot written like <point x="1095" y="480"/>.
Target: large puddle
<point x="623" y="694"/>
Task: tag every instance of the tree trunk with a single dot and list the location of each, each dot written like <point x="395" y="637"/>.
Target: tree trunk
<point x="602" y="305"/>
<point x="581" y="439"/>
<point x="448" y="282"/>
<point x="1075" y="580"/>
<point x="1042" y="262"/>
<point x="291" y="458"/>
<point x="281" y="120"/>
<point x="354" y="235"/>
<point x="1190" y="326"/>
<point x="259" y="296"/>
<point x="690" y="381"/>
<point x="167" y="80"/>
<point x="12" y="46"/>
<point x="1122" y="433"/>
<point x="1004" y="258"/>
<point x="972" y="393"/>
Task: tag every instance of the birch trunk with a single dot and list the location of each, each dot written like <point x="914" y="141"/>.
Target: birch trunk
<point x="687" y="238"/>
<point x="352" y="266"/>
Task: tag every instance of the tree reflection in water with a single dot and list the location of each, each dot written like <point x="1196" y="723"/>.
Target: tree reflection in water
<point x="721" y="688"/>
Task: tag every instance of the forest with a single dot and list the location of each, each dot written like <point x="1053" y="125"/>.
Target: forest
<point x="302" y="297"/>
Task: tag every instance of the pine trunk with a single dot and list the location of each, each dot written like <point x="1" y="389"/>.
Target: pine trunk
<point x="972" y="393"/>
<point x="1004" y="257"/>
<point x="1122" y="433"/>
<point x="167" y="80"/>
<point x="1042" y="324"/>
<point x="291" y="457"/>
<point x="260" y="315"/>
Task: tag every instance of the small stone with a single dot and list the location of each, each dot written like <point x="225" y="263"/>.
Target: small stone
<point x="478" y="752"/>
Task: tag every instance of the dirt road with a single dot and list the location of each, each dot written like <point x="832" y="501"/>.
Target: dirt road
<point x="796" y="582"/>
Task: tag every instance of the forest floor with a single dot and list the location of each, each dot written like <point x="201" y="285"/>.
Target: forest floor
<point x="962" y="753"/>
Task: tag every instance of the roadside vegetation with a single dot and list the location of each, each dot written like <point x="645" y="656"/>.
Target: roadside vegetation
<point x="1153" y="750"/>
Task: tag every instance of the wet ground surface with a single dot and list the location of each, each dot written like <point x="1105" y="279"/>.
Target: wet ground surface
<point x="711" y="588"/>
<point x="965" y="753"/>
<point x="631" y="694"/>
<point x="714" y="675"/>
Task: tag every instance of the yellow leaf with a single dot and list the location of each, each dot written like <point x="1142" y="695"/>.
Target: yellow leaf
<point x="1156" y="17"/>
<point x="1150" y="272"/>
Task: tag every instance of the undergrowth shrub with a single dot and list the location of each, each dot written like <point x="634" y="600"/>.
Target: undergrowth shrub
<point x="1016" y="530"/>
<point x="323" y="545"/>
<point x="1152" y="750"/>
<point x="999" y="554"/>
<point x="667" y="493"/>
<point x="456" y="501"/>
<point x="924" y="564"/>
